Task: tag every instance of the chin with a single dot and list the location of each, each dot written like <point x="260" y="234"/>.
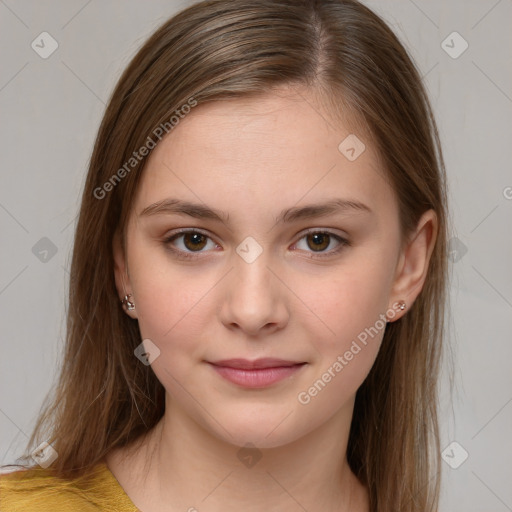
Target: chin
<point x="258" y="431"/>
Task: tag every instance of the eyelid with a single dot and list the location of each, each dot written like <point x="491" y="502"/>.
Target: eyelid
<point x="329" y="231"/>
<point x="189" y="230"/>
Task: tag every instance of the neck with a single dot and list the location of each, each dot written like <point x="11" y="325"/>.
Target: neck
<point x="181" y="463"/>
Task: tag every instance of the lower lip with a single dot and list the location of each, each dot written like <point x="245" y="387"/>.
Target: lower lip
<point x="257" y="378"/>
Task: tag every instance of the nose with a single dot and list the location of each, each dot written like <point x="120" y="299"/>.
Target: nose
<point x="253" y="299"/>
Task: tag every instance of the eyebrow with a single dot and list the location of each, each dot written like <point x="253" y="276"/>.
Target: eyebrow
<point x="201" y="211"/>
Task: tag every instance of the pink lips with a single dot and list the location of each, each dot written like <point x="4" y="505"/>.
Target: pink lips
<point x="256" y="374"/>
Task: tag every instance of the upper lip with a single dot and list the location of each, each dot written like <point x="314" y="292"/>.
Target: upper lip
<point x="246" y="364"/>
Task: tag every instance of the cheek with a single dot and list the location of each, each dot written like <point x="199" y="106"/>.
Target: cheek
<point x="346" y="350"/>
<point x="174" y="308"/>
<point x="171" y="311"/>
<point x="171" y="308"/>
<point x="167" y="294"/>
<point x="344" y="305"/>
<point x="346" y="328"/>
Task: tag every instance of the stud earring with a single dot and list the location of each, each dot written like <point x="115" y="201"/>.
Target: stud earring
<point x="401" y="305"/>
<point x="127" y="303"/>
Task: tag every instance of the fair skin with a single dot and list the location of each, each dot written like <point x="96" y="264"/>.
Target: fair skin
<point x="251" y="159"/>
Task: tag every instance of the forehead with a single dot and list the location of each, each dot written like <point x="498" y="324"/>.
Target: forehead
<point x="284" y="118"/>
<point x="278" y="148"/>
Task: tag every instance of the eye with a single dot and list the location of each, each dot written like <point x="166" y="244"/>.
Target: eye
<point x="193" y="241"/>
<point x="319" y="241"/>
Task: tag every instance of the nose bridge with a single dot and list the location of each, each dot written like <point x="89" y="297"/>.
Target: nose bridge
<point x="254" y="298"/>
<point x="252" y="280"/>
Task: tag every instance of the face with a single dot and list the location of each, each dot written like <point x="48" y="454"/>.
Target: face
<point x="289" y="253"/>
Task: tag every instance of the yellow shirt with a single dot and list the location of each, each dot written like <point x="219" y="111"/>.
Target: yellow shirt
<point x="35" y="490"/>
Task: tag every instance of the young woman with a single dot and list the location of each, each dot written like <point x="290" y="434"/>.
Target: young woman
<point x="258" y="279"/>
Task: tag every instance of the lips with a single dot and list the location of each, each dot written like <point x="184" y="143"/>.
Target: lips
<point x="259" y="373"/>
<point x="245" y="364"/>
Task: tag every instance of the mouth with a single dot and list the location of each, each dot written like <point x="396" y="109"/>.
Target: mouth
<point x="246" y="364"/>
<point x="259" y="373"/>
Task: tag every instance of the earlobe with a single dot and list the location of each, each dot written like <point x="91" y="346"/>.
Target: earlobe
<point x="414" y="261"/>
<point x="121" y="277"/>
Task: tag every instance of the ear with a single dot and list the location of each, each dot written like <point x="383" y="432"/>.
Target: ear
<point x="122" y="279"/>
<point x="413" y="263"/>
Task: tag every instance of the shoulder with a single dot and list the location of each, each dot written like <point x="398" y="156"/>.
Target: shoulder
<point x="38" y="490"/>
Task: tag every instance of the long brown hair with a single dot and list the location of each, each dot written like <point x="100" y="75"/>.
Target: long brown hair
<point x="218" y="50"/>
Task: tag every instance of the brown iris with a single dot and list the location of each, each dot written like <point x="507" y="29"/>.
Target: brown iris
<point x="194" y="241"/>
<point x="320" y="241"/>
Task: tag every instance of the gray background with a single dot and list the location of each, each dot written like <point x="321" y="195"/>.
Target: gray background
<point x="51" y="109"/>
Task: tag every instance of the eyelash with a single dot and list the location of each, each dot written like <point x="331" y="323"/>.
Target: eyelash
<point x="192" y="256"/>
